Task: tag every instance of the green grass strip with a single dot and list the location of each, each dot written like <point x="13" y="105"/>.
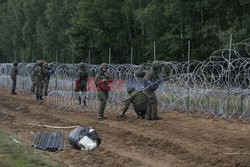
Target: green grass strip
<point x="13" y="154"/>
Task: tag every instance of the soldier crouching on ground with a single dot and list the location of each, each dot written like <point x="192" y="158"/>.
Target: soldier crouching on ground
<point x="81" y="82"/>
<point x="103" y="88"/>
<point x="152" y="82"/>
<point x="14" y="72"/>
<point x="139" y="101"/>
<point x="39" y="76"/>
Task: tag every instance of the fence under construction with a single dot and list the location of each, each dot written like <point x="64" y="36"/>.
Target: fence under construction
<point x="218" y="86"/>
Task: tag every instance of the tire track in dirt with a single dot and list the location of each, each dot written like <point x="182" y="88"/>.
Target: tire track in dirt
<point x="206" y="151"/>
<point x="149" y="148"/>
<point x="116" y="136"/>
<point x="43" y="117"/>
<point x="119" y="139"/>
<point x="104" y="157"/>
<point x="178" y="139"/>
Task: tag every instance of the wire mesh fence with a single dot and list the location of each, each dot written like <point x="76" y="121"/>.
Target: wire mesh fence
<point x="218" y="86"/>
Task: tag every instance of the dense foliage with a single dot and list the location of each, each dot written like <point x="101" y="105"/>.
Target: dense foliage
<point x="67" y="29"/>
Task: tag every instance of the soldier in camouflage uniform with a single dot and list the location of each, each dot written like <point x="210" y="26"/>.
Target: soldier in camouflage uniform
<point x="140" y="74"/>
<point x="139" y="78"/>
<point x="81" y="82"/>
<point x="139" y="101"/>
<point x="14" y="72"/>
<point x="33" y="79"/>
<point x="152" y="81"/>
<point x="46" y="78"/>
<point x="39" y="76"/>
<point x="102" y="88"/>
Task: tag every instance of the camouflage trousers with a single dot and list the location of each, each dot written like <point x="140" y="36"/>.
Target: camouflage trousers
<point x="33" y="87"/>
<point x="152" y="105"/>
<point x="103" y="97"/>
<point x="45" y="88"/>
<point x="39" y="89"/>
<point x="13" y="86"/>
<point x="141" y="110"/>
<point x="83" y="90"/>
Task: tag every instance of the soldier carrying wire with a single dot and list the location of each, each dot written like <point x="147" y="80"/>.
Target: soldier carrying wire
<point x="81" y="82"/>
<point x="39" y="76"/>
<point x="152" y="81"/>
<point x="103" y="88"/>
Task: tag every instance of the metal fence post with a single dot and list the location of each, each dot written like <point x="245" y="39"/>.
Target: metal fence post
<point x="154" y="51"/>
<point x="131" y="56"/>
<point x="109" y="55"/>
<point x="229" y="73"/>
<point x="89" y="56"/>
<point x="188" y="71"/>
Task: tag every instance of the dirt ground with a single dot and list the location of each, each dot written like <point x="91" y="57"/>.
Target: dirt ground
<point x="178" y="139"/>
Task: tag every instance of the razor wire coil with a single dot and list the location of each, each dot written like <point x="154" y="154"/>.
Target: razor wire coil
<point x="218" y="86"/>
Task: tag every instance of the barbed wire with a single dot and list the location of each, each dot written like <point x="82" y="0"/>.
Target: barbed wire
<point x="218" y="86"/>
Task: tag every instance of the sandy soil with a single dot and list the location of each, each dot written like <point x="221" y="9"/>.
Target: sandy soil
<point x="178" y="139"/>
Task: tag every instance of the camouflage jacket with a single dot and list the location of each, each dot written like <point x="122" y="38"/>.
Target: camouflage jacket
<point x="39" y="73"/>
<point x="33" y="75"/>
<point x="82" y="77"/>
<point x="152" y="80"/>
<point x="101" y="80"/>
<point x="136" y="98"/>
<point x="46" y="74"/>
<point x="14" y="71"/>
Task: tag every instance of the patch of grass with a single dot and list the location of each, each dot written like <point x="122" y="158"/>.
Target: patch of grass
<point x="13" y="154"/>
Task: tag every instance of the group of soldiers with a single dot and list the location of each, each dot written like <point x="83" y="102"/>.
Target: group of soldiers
<point x="144" y="101"/>
<point x="40" y="79"/>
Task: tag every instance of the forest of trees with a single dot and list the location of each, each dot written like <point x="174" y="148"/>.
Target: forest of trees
<point x="67" y="29"/>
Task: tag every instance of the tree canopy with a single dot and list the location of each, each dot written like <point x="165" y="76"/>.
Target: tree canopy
<point x="66" y="30"/>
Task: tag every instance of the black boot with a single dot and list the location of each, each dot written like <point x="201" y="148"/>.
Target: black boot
<point x="13" y="92"/>
<point x="101" y="117"/>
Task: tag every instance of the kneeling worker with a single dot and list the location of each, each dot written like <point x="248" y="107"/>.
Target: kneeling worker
<point x="139" y="101"/>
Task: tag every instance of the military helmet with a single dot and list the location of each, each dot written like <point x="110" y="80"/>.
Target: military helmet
<point x="104" y="66"/>
<point x="156" y="64"/>
<point x="81" y="64"/>
<point x="15" y="63"/>
<point x="130" y="90"/>
<point x="40" y="62"/>
<point x="140" y="73"/>
<point x="45" y="65"/>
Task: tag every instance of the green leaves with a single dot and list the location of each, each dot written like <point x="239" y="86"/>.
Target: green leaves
<point x="36" y="29"/>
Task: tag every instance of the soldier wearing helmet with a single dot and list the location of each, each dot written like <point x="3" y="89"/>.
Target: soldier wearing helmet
<point x="152" y="82"/>
<point x="33" y="79"/>
<point x="39" y="76"/>
<point x="81" y="82"/>
<point x="47" y="73"/>
<point x="139" y="102"/>
<point x="103" y="88"/>
<point x="14" y="72"/>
